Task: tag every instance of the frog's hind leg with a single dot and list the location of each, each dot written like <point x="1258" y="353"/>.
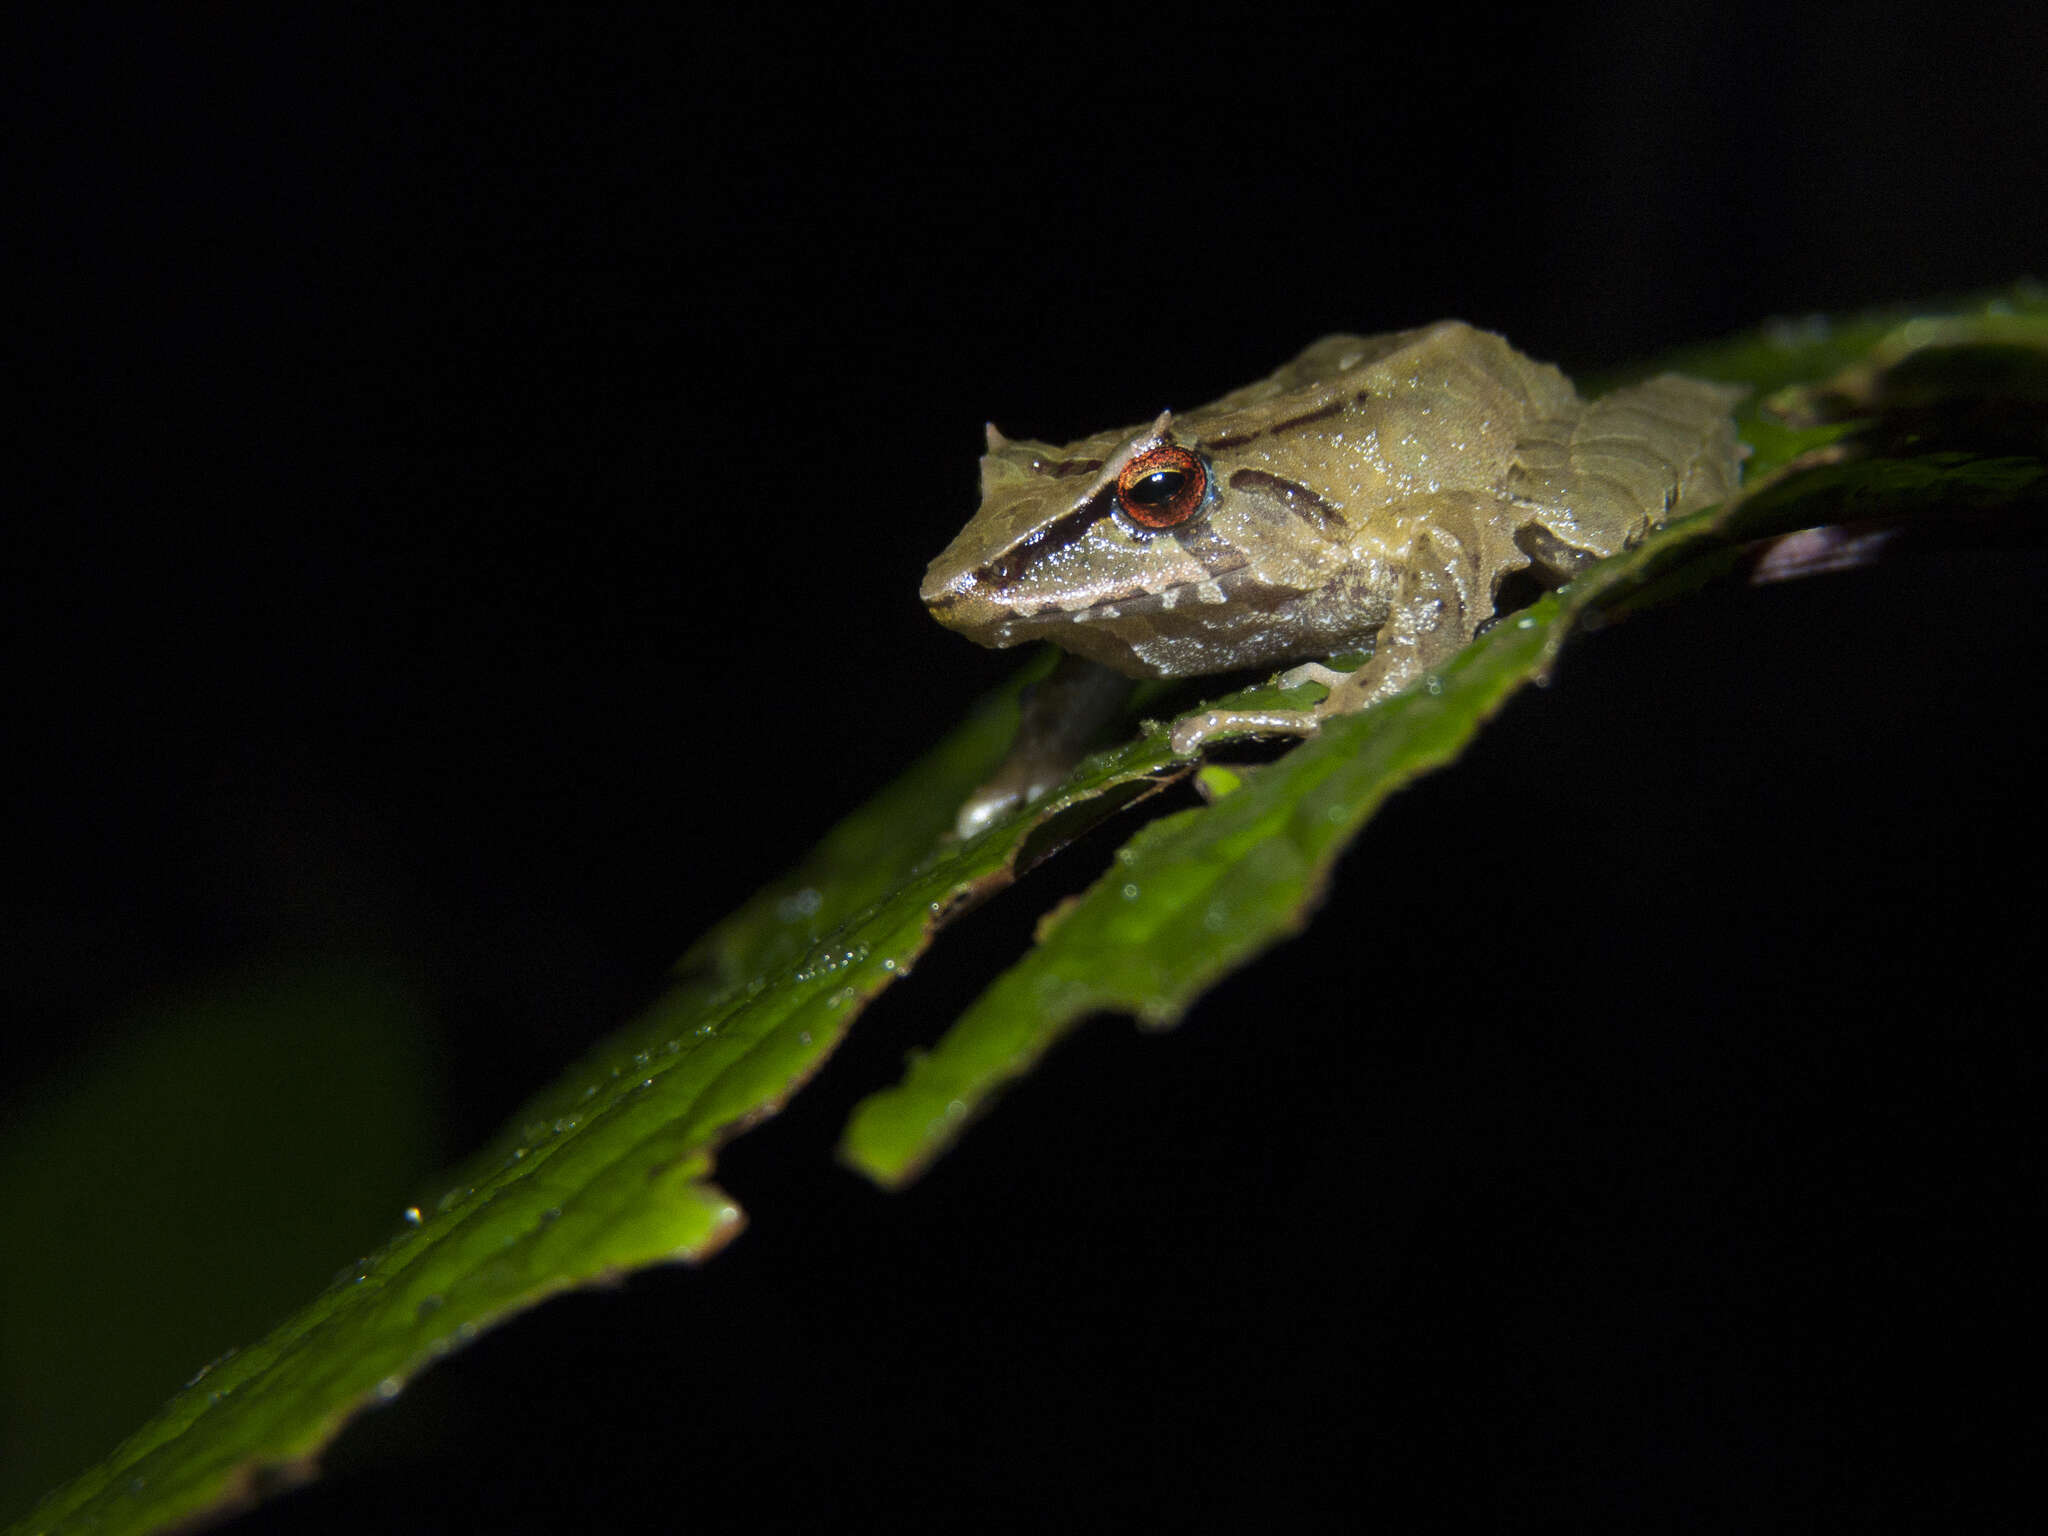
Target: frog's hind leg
<point x="1633" y="459"/>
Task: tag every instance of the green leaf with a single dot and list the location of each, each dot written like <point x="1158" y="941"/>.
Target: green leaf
<point x="609" y="1169"/>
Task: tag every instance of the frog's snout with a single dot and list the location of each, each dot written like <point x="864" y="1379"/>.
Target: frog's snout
<point x="941" y="588"/>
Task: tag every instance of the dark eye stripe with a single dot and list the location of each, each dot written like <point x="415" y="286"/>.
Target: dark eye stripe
<point x="1070" y="528"/>
<point x="1297" y="498"/>
<point x="1201" y="541"/>
<point x="1320" y="413"/>
<point x="1062" y="468"/>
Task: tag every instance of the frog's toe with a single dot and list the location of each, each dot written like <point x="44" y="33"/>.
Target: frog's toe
<point x="1191" y="734"/>
<point x="1310" y="672"/>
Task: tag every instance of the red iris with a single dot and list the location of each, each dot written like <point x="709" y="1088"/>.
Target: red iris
<point x="1161" y="486"/>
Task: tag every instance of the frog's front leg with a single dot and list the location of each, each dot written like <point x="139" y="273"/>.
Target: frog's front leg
<point x="1445" y="593"/>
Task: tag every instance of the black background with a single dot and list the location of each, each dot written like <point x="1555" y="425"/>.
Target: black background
<point x="475" y="484"/>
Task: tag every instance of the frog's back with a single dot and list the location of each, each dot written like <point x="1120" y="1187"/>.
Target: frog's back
<point x="1342" y="370"/>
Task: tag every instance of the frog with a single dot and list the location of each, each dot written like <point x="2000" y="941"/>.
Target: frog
<point x="1374" y="496"/>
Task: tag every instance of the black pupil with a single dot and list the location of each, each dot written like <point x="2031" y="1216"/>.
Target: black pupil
<point x="1157" y="489"/>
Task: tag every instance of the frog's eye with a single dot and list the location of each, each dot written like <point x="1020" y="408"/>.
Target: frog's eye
<point x="1161" y="486"/>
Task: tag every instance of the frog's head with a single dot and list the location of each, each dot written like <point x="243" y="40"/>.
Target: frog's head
<point x="1143" y="550"/>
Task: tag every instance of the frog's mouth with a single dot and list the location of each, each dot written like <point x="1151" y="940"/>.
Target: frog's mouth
<point x="1224" y="621"/>
<point x="1003" y="623"/>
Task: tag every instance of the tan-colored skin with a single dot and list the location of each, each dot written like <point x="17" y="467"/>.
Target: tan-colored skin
<point x="1372" y="493"/>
